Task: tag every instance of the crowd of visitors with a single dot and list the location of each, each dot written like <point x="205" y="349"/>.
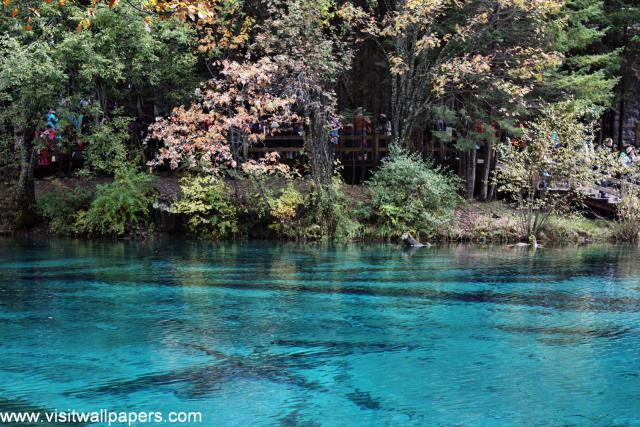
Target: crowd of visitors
<point x="628" y="156"/>
<point x="59" y="142"/>
<point x="360" y="125"/>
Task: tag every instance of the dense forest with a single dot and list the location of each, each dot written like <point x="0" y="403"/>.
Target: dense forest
<point x="532" y="102"/>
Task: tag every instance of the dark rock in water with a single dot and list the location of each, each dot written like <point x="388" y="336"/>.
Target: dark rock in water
<point x="164" y="219"/>
<point x="364" y="400"/>
<point x="410" y="241"/>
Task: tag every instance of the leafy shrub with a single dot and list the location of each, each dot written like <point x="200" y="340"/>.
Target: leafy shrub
<point x="120" y="207"/>
<point x="628" y="225"/>
<point x="330" y="215"/>
<point x="207" y="207"/>
<point x="107" y="150"/>
<point x="62" y="203"/>
<point x="556" y="152"/>
<point x="410" y="194"/>
<point x="313" y="214"/>
<point x="285" y="209"/>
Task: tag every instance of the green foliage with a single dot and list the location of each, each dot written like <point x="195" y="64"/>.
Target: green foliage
<point x="587" y="74"/>
<point x="576" y="228"/>
<point x="327" y="215"/>
<point x="316" y="214"/>
<point x="410" y="194"/>
<point x="120" y="207"/>
<point x="558" y="155"/>
<point x="123" y="55"/>
<point x="30" y="78"/>
<point x="284" y="210"/>
<point x="628" y="224"/>
<point x="107" y="151"/>
<point x="207" y="207"/>
<point x="61" y="204"/>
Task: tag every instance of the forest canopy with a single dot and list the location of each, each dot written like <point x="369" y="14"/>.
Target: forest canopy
<point x="175" y="85"/>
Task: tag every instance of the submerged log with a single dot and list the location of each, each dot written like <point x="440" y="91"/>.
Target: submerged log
<point x="410" y="241"/>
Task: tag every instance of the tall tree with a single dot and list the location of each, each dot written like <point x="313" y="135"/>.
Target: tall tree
<point x="305" y="37"/>
<point x="289" y="72"/>
<point x="30" y="79"/>
<point x="126" y="61"/>
<point x="479" y="60"/>
<point x="622" y="17"/>
<point x="588" y="70"/>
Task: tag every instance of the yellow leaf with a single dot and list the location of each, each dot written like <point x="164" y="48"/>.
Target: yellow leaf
<point x="113" y="3"/>
<point x="5" y="3"/>
<point x="14" y="12"/>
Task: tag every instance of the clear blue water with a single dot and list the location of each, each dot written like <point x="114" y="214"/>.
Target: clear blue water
<point x="260" y="334"/>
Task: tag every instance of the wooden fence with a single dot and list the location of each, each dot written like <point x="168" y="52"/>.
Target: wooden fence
<point x="357" y="153"/>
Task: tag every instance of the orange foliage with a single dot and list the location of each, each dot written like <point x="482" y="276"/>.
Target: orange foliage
<point x="198" y="136"/>
<point x="194" y="10"/>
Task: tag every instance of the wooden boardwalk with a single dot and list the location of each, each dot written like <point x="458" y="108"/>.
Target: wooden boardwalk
<point x="359" y="153"/>
<point x="602" y="199"/>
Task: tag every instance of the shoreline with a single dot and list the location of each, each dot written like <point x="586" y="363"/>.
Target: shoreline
<point x="471" y="222"/>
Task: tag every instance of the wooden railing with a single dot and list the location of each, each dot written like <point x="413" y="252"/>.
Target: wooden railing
<point x="359" y="153"/>
<point x="372" y="147"/>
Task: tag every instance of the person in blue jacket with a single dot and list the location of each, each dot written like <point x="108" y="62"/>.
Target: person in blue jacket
<point x="52" y="119"/>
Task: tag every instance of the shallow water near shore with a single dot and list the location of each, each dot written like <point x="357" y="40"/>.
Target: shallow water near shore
<point x="275" y="334"/>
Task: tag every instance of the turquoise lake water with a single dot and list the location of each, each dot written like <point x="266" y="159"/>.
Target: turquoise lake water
<point x="265" y="334"/>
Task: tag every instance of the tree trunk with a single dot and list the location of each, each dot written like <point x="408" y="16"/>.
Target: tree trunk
<point x="319" y="148"/>
<point x="486" y="170"/>
<point x="494" y="164"/>
<point x="470" y="175"/>
<point x="623" y="91"/>
<point x="139" y="104"/>
<point x="621" y="120"/>
<point x="24" y="199"/>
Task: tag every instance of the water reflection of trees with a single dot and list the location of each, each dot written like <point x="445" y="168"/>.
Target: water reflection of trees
<point x="609" y="261"/>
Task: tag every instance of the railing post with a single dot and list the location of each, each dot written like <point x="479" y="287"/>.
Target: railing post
<point x="376" y="148"/>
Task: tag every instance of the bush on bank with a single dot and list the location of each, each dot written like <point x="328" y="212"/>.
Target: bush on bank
<point x="206" y="207"/>
<point x="60" y="206"/>
<point x="628" y="224"/>
<point x="411" y="194"/>
<point x="119" y="208"/>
